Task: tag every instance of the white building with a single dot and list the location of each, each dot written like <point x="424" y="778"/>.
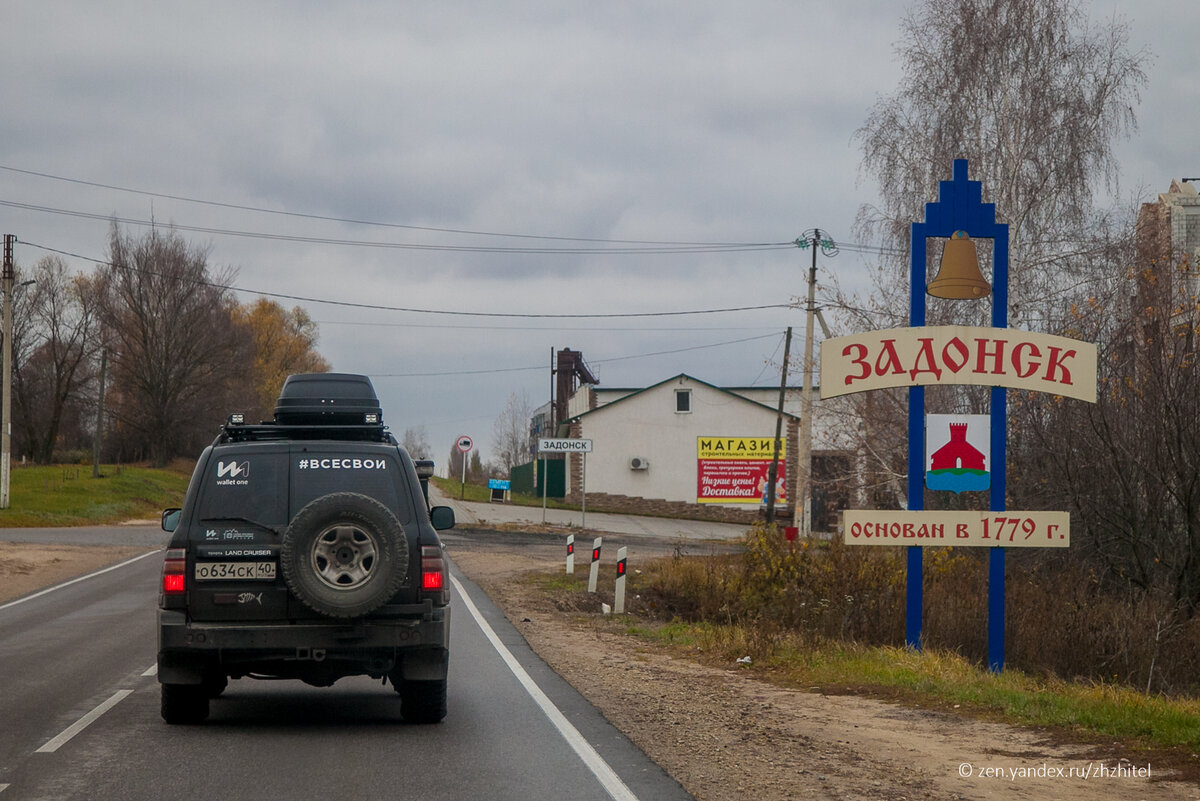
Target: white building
<point x="679" y="444"/>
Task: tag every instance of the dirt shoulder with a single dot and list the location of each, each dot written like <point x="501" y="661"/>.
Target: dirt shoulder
<point x="724" y="733"/>
<point x="26" y="567"/>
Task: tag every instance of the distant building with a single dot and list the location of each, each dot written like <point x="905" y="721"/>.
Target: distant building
<point x="680" y="444"/>
<point x="681" y="447"/>
<point x="1168" y="249"/>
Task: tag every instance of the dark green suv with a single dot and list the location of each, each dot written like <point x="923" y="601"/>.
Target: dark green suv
<point x="306" y="549"/>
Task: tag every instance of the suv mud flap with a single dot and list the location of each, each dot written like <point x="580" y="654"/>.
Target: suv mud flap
<point x="181" y="668"/>
<point x="425" y="664"/>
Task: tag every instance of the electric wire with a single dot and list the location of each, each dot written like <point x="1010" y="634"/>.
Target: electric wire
<point x="654" y="249"/>
<point x="650" y="246"/>
<point x="352" y="221"/>
<point x="590" y="361"/>
<point x="449" y="312"/>
<point x="624" y="329"/>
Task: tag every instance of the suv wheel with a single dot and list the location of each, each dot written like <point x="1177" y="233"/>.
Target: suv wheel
<point x="215" y="684"/>
<point x="344" y="555"/>
<point x="184" y="703"/>
<point x="422" y="701"/>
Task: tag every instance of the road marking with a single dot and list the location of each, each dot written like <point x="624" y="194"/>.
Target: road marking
<point x="3" y="787"/>
<point x="608" y="778"/>
<point x="81" y="724"/>
<point x="152" y="670"/>
<point x="76" y="580"/>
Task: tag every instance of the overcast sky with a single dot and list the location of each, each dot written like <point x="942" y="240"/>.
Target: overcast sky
<point x="494" y="139"/>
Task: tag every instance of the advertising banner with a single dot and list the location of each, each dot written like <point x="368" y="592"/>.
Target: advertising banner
<point x="735" y="469"/>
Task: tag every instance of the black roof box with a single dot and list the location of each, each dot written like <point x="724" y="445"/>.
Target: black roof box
<point x="327" y="399"/>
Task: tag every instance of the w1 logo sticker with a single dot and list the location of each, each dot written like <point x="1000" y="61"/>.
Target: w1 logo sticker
<point x="232" y="469"/>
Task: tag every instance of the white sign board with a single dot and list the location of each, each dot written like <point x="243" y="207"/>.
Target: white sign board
<point x="981" y="529"/>
<point x="564" y="446"/>
<point x="465" y="443"/>
<point x="947" y="354"/>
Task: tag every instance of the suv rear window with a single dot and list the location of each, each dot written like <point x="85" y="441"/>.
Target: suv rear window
<point x="374" y="472"/>
<point x="247" y="486"/>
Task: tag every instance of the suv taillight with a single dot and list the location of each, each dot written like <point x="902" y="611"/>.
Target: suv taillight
<point x="174" y="575"/>
<point x="433" y="569"/>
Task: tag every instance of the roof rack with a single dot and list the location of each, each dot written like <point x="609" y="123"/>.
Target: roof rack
<point x="364" y="432"/>
<point x="317" y="406"/>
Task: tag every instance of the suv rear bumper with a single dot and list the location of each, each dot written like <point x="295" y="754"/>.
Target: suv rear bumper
<point x="189" y="650"/>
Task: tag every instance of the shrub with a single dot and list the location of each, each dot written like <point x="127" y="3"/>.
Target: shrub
<point x="1061" y="620"/>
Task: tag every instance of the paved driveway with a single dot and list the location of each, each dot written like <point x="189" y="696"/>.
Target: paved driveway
<point x="475" y="513"/>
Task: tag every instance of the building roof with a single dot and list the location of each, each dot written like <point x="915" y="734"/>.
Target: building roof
<point x="730" y="392"/>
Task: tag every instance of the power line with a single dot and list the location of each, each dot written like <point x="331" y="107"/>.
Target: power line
<point x="624" y="329"/>
<point x="449" y="312"/>
<point x="640" y="245"/>
<point x="364" y="243"/>
<point x="352" y="221"/>
<point x="590" y="361"/>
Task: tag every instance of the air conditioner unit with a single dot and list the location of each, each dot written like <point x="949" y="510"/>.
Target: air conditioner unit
<point x="639" y="463"/>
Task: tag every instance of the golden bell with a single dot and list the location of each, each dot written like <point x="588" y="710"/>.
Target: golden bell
<point x="958" y="277"/>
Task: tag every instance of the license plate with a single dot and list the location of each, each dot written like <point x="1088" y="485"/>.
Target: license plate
<point x="235" y="571"/>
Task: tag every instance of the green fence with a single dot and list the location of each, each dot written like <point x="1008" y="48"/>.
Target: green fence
<point x="552" y="470"/>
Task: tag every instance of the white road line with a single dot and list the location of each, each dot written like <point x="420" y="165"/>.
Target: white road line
<point x="608" y="778"/>
<point x="152" y="670"/>
<point x="81" y="724"/>
<point x="3" y="787"/>
<point x="77" y="580"/>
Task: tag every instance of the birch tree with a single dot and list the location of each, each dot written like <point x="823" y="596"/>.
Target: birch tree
<point x="1034" y="95"/>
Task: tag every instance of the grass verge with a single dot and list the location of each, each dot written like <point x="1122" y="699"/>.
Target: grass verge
<point x="1083" y="710"/>
<point x="68" y="495"/>
<point x="947" y="680"/>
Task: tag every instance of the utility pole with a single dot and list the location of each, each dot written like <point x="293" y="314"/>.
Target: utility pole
<point x="773" y="471"/>
<point x="802" y="506"/>
<point x="6" y="285"/>
<point x="99" y="415"/>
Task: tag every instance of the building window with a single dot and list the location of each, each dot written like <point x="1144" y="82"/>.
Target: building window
<point x="683" y="401"/>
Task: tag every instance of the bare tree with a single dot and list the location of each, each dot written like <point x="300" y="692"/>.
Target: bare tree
<point x="1126" y="466"/>
<point x="180" y="359"/>
<point x="416" y="442"/>
<point x="1034" y="95"/>
<point x="56" y="348"/>
<point x="510" y="432"/>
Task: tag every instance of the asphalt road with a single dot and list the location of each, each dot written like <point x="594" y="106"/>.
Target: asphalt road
<point x="79" y="717"/>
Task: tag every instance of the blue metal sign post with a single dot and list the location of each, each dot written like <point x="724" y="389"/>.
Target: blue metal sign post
<point x="959" y="208"/>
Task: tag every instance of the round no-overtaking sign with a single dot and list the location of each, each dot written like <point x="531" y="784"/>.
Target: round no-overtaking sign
<point x="465" y="444"/>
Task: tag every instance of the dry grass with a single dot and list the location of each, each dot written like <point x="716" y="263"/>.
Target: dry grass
<point x="1079" y="657"/>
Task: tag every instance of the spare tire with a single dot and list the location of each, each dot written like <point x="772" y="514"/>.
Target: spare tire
<point x="344" y="555"/>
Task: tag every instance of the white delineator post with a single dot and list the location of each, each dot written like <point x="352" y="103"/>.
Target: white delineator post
<point x="595" y="574"/>
<point x="619" y="599"/>
<point x="570" y="554"/>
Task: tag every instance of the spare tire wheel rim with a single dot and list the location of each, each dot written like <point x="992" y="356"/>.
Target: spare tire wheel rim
<point x="344" y="556"/>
